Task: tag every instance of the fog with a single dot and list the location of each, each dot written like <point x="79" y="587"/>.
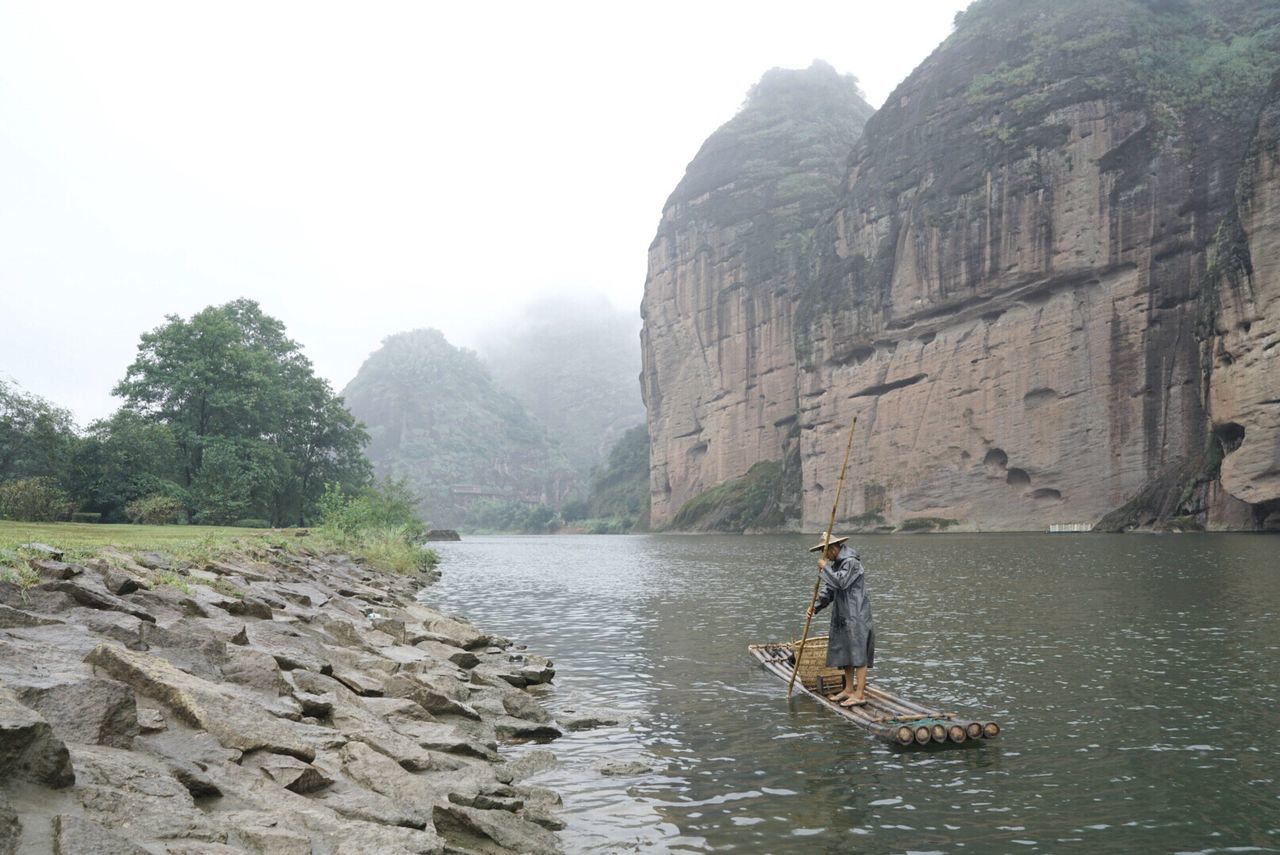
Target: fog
<point x="361" y="169"/>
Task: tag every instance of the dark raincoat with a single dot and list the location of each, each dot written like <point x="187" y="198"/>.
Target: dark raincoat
<point x="853" y="633"/>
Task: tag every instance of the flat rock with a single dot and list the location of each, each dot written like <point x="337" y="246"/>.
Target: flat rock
<point x="82" y="708"/>
<point x="517" y="729"/>
<point x="235" y="721"/>
<point x="529" y="764"/>
<point x="428" y="697"/>
<point x="29" y="750"/>
<point x="91" y="593"/>
<point x="437" y="736"/>
<point x="382" y="775"/>
<point x="492" y="832"/>
<point x="74" y="835"/>
<point x="457" y="655"/>
<point x="134" y="794"/>
<point x="290" y="772"/>
<point x="11" y="617"/>
<point x="10" y="828"/>
<point x="589" y="719"/>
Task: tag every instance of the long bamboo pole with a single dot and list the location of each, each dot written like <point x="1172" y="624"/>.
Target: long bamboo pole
<point x="826" y="539"/>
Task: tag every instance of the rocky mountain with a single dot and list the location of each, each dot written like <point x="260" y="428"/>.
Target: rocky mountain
<point x="436" y="418"/>
<point x="732" y="249"/>
<point x="1046" y="288"/>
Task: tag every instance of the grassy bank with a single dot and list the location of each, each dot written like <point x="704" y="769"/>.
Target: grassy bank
<point x="198" y="543"/>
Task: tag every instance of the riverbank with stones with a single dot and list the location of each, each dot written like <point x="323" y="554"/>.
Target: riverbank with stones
<point x="276" y="701"/>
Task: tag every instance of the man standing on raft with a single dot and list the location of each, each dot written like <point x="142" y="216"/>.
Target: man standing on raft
<point x="852" y="641"/>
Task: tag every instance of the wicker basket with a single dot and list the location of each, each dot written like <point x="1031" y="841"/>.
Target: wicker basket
<point x="814" y="666"/>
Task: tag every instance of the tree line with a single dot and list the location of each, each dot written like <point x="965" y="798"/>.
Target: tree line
<point x="224" y="421"/>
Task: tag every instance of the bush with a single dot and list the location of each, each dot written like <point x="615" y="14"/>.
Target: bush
<point x="156" y="509"/>
<point x="379" y="525"/>
<point x="82" y="517"/>
<point x="251" y="523"/>
<point x="34" y="500"/>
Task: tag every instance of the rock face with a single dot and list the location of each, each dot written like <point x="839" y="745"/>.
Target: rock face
<point x="1244" y="356"/>
<point x="1023" y="292"/>
<point x="719" y="377"/>
<point x="436" y="418"/>
<point x="345" y="717"/>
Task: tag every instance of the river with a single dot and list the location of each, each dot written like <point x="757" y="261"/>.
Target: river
<point x="1137" y="679"/>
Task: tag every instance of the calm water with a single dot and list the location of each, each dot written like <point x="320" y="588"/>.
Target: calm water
<point x="1137" y="679"/>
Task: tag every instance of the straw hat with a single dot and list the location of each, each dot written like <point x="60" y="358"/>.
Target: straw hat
<point x="835" y="541"/>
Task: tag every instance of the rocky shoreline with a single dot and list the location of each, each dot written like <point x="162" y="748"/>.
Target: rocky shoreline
<point x="277" y="700"/>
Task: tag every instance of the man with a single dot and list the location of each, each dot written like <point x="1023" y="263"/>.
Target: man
<point x="852" y="641"/>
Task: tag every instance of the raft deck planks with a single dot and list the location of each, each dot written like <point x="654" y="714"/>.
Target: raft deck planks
<point x="885" y="715"/>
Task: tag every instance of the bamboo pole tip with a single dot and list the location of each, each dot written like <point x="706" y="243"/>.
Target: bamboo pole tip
<point x="990" y="729"/>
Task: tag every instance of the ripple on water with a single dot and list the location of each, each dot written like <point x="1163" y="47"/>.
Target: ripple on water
<point x="1132" y="683"/>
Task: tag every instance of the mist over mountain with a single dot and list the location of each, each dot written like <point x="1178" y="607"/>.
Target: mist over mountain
<point x="574" y="364"/>
<point x="436" y="418"/>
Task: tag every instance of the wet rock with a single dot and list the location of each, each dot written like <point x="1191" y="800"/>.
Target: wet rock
<point x="289" y="772"/>
<point x="458" y="656"/>
<point x="491" y="674"/>
<point x="117" y="581"/>
<point x="427" y="696"/>
<point x="253" y="669"/>
<point x="123" y="789"/>
<point x="384" y="776"/>
<point x="10" y="828"/>
<point x="54" y="571"/>
<point x="519" y="730"/>
<point x="29" y="750"/>
<point x="249" y="606"/>
<point x="150" y="720"/>
<point x="291" y="649"/>
<point x="260" y="831"/>
<point x="359" y="682"/>
<point x="437" y="736"/>
<point x="529" y="764"/>
<point x="590" y="719"/>
<point x="92" y="594"/>
<point x="623" y="768"/>
<point x="44" y="549"/>
<point x="73" y="835"/>
<point x="483" y="801"/>
<point x="82" y="708"/>
<point x="544" y="818"/>
<point x="235" y="721"/>
<point x="491" y="831"/>
<point x="11" y="617"/>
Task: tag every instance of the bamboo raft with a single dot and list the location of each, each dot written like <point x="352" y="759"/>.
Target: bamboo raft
<point x="885" y="715"/>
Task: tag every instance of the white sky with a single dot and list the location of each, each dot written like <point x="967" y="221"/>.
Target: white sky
<point x="364" y="168"/>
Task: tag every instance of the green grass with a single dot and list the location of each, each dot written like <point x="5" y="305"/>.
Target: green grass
<point x="196" y="544"/>
<point x="83" y="539"/>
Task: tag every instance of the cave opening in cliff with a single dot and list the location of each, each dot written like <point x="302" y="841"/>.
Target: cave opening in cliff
<point x="1229" y="435"/>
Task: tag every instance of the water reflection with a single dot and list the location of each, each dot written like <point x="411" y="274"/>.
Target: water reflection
<point x="1135" y="677"/>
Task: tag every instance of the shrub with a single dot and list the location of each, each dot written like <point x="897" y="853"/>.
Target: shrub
<point x="82" y="517"/>
<point x="34" y="500"/>
<point x="156" y="509"/>
<point x="378" y="524"/>
<point x="251" y="523"/>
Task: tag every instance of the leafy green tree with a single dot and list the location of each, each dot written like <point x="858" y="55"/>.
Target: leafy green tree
<point x="122" y="459"/>
<point x="37" y="439"/>
<point x="257" y="433"/>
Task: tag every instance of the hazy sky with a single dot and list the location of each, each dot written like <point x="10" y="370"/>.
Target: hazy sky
<point x="364" y="168"/>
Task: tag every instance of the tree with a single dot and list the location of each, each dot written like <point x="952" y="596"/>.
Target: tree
<point x="37" y="439"/>
<point x="122" y="459"/>
<point x="257" y="433"/>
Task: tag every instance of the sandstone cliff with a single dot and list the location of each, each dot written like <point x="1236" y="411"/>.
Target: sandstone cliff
<point x="735" y="239"/>
<point x="1024" y="293"/>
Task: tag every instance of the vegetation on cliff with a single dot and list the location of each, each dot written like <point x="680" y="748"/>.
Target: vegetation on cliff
<point x="436" y="419"/>
<point x="756" y="501"/>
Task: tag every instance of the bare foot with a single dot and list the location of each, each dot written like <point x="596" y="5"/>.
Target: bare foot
<point x="838" y="697"/>
<point x="853" y="702"/>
